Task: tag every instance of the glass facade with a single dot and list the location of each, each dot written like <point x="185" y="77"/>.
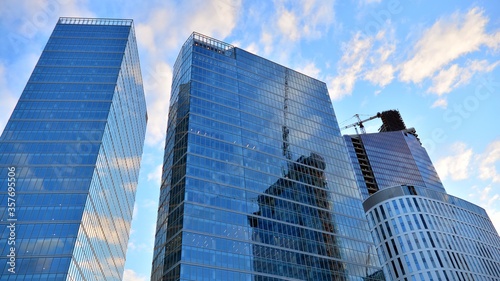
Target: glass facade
<point x="394" y="158"/>
<point x="423" y="234"/>
<point x="257" y="183"/>
<point x="73" y="147"/>
<point x="290" y="209"/>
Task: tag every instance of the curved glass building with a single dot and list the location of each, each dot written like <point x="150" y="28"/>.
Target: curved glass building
<point x="257" y="183"/>
<point x="70" y="155"/>
<point x="423" y="234"/>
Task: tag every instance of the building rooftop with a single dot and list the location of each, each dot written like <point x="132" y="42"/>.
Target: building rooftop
<point x="95" y="21"/>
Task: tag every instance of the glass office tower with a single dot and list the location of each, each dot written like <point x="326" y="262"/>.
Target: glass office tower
<point x="257" y="183"/>
<point x="420" y="231"/>
<point x="392" y="158"/>
<point x="73" y="147"/>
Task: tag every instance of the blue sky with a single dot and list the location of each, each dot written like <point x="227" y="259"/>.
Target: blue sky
<point x="436" y="61"/>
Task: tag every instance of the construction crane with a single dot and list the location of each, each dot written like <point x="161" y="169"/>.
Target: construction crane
<point x="360" y="123"/>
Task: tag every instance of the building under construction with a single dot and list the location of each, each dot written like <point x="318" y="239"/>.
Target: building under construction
<point x="420" y="231"/>
<point x="376" y="168"/>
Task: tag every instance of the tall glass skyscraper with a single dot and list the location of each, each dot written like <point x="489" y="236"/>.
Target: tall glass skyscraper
<point x="420" y="231"/>
<point x="257" y="183"/>
<point x="70" y="156"/>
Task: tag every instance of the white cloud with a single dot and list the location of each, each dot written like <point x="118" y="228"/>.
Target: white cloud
<point x="381" y="76"/>
<point x="494" y="215"/>
<point x="489" y="199"/>
<point x="72" y="8"/>
<point x="447" y="40"/>
<point x="309" y="69"/>
<point x="287" y="24"/>
<point x="443" y="81"/>
<point x="385" y="51"/>
<point x="252" y="48"/>
<point x="155" y="175"/>
<point x="8" y="99"/>
<point x="381" y="73"/>
<point x="130" y="275"/>
<point x="488" y="162"/>
<point x="157" y="81"/>
<point x="364" y="58"/>
<point x="443" y="103"/>
<point x="371" y="58"/>
<point x="136" y="211"/>
<point x="266" y="39"/>
<point x="486" y="197"/>
<point x="309" y="19"/>
<point x="350" y="66"/>
<point x="146" y="37"/>
<point x="454" y="76"/>
<point x="456" y="166"/>
<point x="171" y="23"/>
